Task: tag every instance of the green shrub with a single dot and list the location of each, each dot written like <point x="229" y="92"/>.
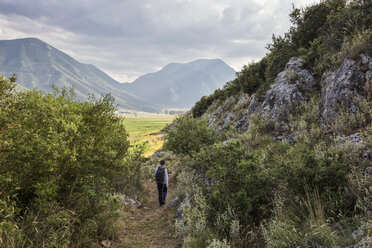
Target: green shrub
<point x="252" y="76"/>
<point x="281" y="50"/>
<point x="353" y="46"/>
<point x="188" y="136"/>
<point x="61" y="159"/>
<point x="236" y="181"/>
<point x="193" y="227"/>
<point x="219" y="244"/>
<point x="304" y="170"/>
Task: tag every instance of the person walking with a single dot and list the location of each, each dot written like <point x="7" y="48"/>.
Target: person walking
<point x="161" y="177"/>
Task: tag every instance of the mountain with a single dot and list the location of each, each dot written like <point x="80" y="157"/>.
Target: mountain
<point x="181" y="85"/>
<point x="39" y="65"/>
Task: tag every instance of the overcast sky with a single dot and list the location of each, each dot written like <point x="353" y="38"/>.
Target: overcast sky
<point x="128" y="38"/>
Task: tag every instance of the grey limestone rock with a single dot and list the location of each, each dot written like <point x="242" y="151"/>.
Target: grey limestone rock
<point x="243" y="100"/>
<point x="253" y="105"/>
<point x="227" y="121"/>
<point x="368" y="170"/>
<point x="290" y="88"/>
<point x="366" y="60"/>
<point x="173" y="203"/>
<point x="367" y="155"/>
<point x="355" y="140"/>
<point x="342" y="88"/>
<point x="158" y="154"/>
<point x="243" y="123"/>
<point x="184" y="204"/>
<point x="219" y="110"/>
<point x="212" y="118"/>
<point x="129" y="201"/>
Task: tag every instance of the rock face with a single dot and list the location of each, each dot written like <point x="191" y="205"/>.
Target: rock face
<point x="345" y="86"/>
<point x="290" y="87"/>
<point x="289" y="90"/>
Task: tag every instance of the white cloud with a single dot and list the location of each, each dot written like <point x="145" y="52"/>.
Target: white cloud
<point x="129" y="38"/>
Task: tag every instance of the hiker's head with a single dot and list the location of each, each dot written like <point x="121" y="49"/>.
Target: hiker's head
<point x="162" y="162"/>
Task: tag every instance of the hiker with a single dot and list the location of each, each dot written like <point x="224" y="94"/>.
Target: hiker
<point x="161" y="177"/>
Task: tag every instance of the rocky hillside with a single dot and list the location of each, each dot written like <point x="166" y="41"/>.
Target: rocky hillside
<point x="282" y="155"/>
<point x="341" y="90"/>
<point x="39" y="65"/>
<point x="181" y="85"/>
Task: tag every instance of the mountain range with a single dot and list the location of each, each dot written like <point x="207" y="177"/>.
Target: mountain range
<point x="40" y="65"/>
<point x="181" y="85"/>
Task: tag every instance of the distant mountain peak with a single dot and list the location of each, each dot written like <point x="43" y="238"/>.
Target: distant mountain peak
<point x="180" y="85"/>
<point x="40" y="65"/>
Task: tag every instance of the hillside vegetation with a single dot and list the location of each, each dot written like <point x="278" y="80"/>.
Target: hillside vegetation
<point x="281" y="156"/>
<point x="63" y="166"/>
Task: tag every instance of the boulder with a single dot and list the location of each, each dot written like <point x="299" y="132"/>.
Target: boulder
<point x="343" y="88"/>
<point x="367" y="155"/>
<point x="291" y="87"/>
<point x="173" y="203"/>
<point x="130" y="202"/>
<point x="158" y="154"/>
<point x="368" y="170"/>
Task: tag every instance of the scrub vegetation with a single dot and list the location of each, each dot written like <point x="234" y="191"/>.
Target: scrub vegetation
<point x="306" y="188"/>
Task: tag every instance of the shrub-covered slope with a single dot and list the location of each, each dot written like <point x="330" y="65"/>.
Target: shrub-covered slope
<point x="282" y="155"/>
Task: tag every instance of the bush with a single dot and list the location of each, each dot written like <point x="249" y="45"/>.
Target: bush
<point x="60" y="158"/>
<point x="188" y="136"/>
<point x="234" y="179"/>
<point x="252" y="76"/>
<point x="281" y="50"/>
<point x="193" y="226"/>
<point x="219" y="244"/>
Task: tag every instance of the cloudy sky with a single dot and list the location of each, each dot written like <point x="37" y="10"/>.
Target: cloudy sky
<point x="128" y="38"/>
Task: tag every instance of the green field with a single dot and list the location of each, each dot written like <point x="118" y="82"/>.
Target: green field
<point x="146" y="127"/>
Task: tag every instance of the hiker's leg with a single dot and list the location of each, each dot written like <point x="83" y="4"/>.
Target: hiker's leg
<point x="164" y="193"/>
<point x="160" y="192"/>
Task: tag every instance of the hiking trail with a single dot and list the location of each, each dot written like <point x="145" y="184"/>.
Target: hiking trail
<point x="150" y="225"/>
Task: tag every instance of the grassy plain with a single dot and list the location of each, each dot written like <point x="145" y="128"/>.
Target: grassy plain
<point x="146" y="128"/>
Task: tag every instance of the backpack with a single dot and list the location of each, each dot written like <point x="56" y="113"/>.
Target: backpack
<point x="160" y="175"/>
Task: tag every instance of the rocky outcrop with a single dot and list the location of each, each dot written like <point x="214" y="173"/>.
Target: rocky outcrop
<point x="227" y="121"/>
<point x="290" y="88"/>
<point x="243" y="123"/>
<point x="343" y="88"/>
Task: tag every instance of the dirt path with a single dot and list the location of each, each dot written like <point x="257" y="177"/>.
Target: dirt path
<point x="150" y="225"/>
